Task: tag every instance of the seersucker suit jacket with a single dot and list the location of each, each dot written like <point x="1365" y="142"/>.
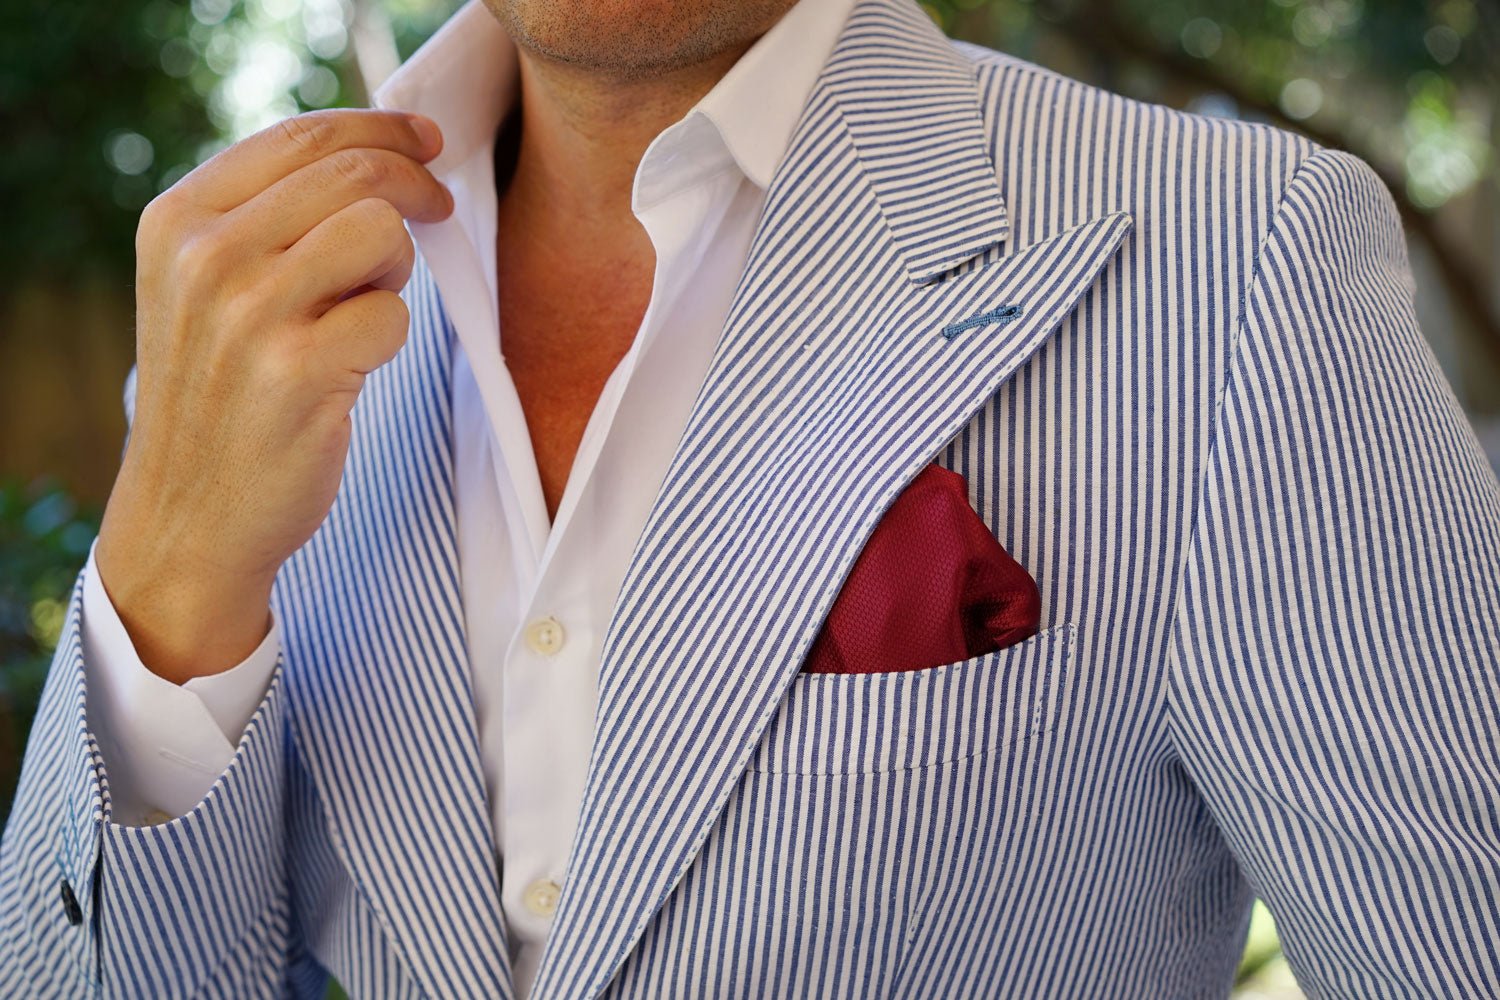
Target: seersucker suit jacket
<point x="1175" y="358"/>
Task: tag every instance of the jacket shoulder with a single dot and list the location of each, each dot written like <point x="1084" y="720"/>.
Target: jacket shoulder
<point x="1000" y="73"/>
<point x="1077" y="147"/>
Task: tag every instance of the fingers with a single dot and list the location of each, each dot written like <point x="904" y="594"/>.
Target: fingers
<point x="293" y="206"/>
<point x="364" y="331"/>
<point x="250" y="166"/>
<point x="364" y="243"/>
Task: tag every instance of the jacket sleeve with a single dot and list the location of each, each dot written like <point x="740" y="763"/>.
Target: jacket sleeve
<point x="90" y="907"/>
<point x="1335" y="654"/>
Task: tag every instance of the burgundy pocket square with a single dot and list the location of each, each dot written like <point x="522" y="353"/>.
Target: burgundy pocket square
<point x="932" y="586"/>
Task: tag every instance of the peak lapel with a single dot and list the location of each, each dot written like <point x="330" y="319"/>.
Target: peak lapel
<point x="910" y="108"/>
<point x="382" y="706"/>
<point x="853" y="352"/>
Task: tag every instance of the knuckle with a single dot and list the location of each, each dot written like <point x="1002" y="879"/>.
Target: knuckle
<point x="395" y="322"/>
<point x="311" y="134"/>
<point x="358" y="168"/>
<point x="155" y="219"/>
<point x="393" y="232"/>
<point x="241" y="311"/>
<point x="396" y="314"/>
<point x="384" y="218"/>
<point x="381" y="228"/>
<point x="194" y="263"/>
<point x="388" y="318"/>
<point x="205" y="259"/>
<point x="165" y="222"/>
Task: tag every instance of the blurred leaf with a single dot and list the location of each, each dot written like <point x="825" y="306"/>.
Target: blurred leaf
<point x="44" y="540"/>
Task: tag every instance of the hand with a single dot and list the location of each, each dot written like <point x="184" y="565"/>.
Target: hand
<point x="266" y="290"/>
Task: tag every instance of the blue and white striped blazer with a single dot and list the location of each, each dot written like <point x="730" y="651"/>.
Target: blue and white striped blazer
<point x="1267" y="543"/>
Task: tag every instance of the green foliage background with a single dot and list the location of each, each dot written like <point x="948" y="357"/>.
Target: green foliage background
<point x="44" y="538"/>
<point x="106" y="104"/>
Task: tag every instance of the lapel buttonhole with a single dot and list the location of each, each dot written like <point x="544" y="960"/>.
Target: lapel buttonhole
<point x="1002" y="315"/>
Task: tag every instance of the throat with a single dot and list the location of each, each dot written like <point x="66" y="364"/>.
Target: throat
<point x="574" y="280"/>
<point x="566" y="322"/>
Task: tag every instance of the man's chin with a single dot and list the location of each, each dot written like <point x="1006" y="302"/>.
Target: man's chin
<point x="634" y="39"/>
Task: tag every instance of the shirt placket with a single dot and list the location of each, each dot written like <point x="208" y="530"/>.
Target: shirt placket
<point x="551" y="662"/>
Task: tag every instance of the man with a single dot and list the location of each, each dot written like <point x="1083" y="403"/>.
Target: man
<point x="704" y="292"/>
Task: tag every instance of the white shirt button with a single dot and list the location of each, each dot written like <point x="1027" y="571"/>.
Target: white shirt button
<point x="541" y="897"/>
<point x="545" y="636"/>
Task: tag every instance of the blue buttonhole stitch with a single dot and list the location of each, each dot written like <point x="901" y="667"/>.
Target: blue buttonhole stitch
<point x="1004" y="314"/>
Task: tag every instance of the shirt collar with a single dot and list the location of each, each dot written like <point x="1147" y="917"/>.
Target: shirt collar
<point x="757" y="104"/>
<point x="465" y="78"/>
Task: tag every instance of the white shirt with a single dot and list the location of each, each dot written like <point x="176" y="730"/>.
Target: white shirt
<point x="537" y="596"/>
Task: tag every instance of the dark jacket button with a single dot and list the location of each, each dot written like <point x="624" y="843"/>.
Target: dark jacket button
<point x="71" y="909"/>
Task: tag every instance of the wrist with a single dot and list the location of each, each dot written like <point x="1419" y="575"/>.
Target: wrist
<point x="184" y="620"/>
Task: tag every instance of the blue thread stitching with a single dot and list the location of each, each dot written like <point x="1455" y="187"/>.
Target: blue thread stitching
<point x="1004" y="314"/>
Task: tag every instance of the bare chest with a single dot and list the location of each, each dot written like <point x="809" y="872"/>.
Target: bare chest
<point x="561" y="340"/>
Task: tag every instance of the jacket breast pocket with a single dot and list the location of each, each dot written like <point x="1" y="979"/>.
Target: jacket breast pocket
<point x="831" y="724"/>
<point x="878" y="822"/>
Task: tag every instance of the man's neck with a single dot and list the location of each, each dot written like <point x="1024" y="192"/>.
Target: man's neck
<point x="582" y="137"/>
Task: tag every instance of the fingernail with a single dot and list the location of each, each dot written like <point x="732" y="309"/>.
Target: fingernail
<point x="427" y="131"/>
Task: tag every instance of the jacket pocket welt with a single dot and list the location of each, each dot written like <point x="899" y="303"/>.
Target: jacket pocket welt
<point x="878" y="722"/>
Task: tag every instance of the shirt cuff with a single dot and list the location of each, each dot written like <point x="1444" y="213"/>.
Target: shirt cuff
<point x="164" y="744"/>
